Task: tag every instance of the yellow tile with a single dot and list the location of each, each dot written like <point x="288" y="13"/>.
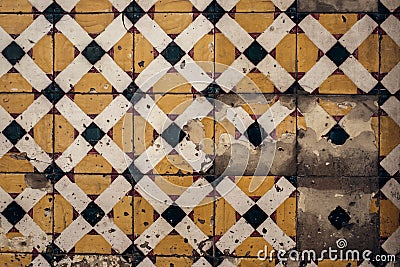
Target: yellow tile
<point x="173" y="5"/>
<point x="173" y="164"/>
<point x="245" y="184"/>
<point x="173" y="23"/>
<point x="15" y="161"/>
<point x="144" y="53"/>
<point x="243" y="262"/>
<point x="368" y="53"/>
<point x="7" y="22"/>
<point x="94" y="23"/>
<point x="204" y="53"/>
<point x="255" y="108"/>
<point x="43" y="213"/>
<point x="254" y="23"/>
<point x="252" y="245"/>
<point x="173" y="261"/>
<point x="89" y="5"/>
<point x="172" y="83"/>
<point x="92" y="244"/>
<point x="123" y="52"/>
<point x="224" y="52"/>
<point x="334" y="108"/>
<point x="63" y="133"/>
<point x="63" y="52"/>
<point x="286" y="216"/>
<point x="93" y="82"/>
<point x="389" y="135"/>
<point x="15" y="6"/>
<point x="202" y="216"/>
<point x="337" y="23"/>
<point x="338" y="84"/>
<point x="208" y="127"/>
<point x="92" y="103"/>
<point x="14" y="82"/>
<point x="307" y="53"/>
<point x="92" y="184"/>
<point x="225" y="216"/>
<point x="43" y="133"/>
<point x="173" y="185"/>
<point x="286" y="53"/>
<point x="301" y="123"/>
<point x="173" y="245"/>
<point x="222" y="127"/>
<point x="12" y="183"/>
<point x="123" y="214"/>
<point x="375" y="128"/>
<point x="255" y="5"/>
<point x="123" y="133"/>
<point x="255" y="82"/>
<point x="16" y="103"/>
<point x="390" y="54"/>
<point x="173" y="104"/>
<point x="374" y="206"/>
<point x="42" y="53"/>
<point x="15" y="260"/>
<point x="93" y="163"/>
<point x="389" y="218"/>
<point x="63" y="213"/>
<point x="143" y="135"/>
<point x="288" y="125"/>
<point x="143" y="215"/>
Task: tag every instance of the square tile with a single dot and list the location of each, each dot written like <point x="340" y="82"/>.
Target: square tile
<point x="255" y="134"/>
<point x="255" y="52"/>
<point x="338" y="135"/>
<point x="173" y="134"/>
<point x="389" y="149"/>
<point x="254" y="212"/>
<point x="338" y="6"/>
<point x="333" y="208"/>
<point x="26" y="212"/>
<point x="93" y="53"/>
<point x="173" y="216"/>
<point x="93" y="133"/>
<point x="26" y="58"/>
<point x="174" y="52"/>
<point x="93" y="214"/>
<point x="26" y="137"/>
<point x="338" y="53"/>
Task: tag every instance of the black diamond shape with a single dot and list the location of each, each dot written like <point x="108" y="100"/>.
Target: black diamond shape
<point x="173" y="134"/>
<point x="14" y="132"/>
<point x="338" y="54"/>
<point x="255" y="216"/>
<point x="338" y="135"/>
<point x="255" y="53"/>
<point x="13" y="53"/>
<point x="13" y="213"/>
<point x="339" y="217"/>
<point x="134" y="12"/>
<point x="173" y="214"/>
<point x="130" y="91"/>
<point x="255" y="133"/>
<point x="53" y="13"/>
<point x="54" y="173"/>
<point x="93" y="213"/>
<point x="53" y="93"/>
<point x="93" y="52"/>
<point x="212" y="90"/>
<point x="173" y="53"/>
<point x="214" y="12"/>
<point x="93" y="134"/>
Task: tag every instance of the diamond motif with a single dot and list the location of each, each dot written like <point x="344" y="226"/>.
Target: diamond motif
<point x="255" y="53"/>
<point x="214" y="12"/>
<point x="338" y="135"/>
<point x="255" y="133"/>
<point x="255" y="216"/>
<point x="173" y="53"/>
<point x="13" y="213"/>
<point x="53" y="13"/>
<point x="173" y="215"/>
<point x="173" y="134"/>
<point x="13" y="53"/>
<point x="53" y="93"/>
<point x="14" y="132"/>
<point x="339" y="217"/>
<point x="93" y="52"/>
<point x="93" y="213"/>
<point x="338" y="54"/>
<point x="134" y="12"/>
<point x="93" y="134"/>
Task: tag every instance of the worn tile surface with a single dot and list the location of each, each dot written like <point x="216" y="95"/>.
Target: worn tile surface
<point x="198" y="132"/>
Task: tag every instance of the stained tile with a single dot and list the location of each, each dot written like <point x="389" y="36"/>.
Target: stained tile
<point x="392" y="6"/>
<point x="179" y="58"/>
<point x="338" y="6"/>
<point x="255" y="134"/>
<point x="254" y="212"/>
<point x="93" y="133"/>
<point x="92" y="260"/>
<point x="255" y="52"/>
<point x="338" y="53"/>
<point x="173" y="134"/>
<point x="337" y="135"/>
<point x="23" y="259"/>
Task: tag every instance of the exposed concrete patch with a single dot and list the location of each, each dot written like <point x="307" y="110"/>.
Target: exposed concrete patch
<point x="93" y="261"/>
<point x="338" y="6"/>
<point x="318" y="197"/>
<point x="20" y="243"/>
<point x="37" y="181"/>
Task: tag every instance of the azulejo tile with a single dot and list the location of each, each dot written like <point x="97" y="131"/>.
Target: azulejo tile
<point x="180" y="6"/>
<point x="174" y="52"/>
<point x="26" y="132"/>
<point x="389" y="137"/>
<point x="26" y="58"/>
<point x="255" y="52"/>
<point x="173" y="216"/>
<point x="254" y="212"/>
<point x="255" y="134"/>
<point x="93" y="133"/>
<point x="338" y="135"/>
<point x="254" y="5"/>
<point x="390" y="215"/>
<point x="23" y="259"/>
<point x="93" y="53"/>
<point x="26" y="212"/>
<point x="173" y="133"/>
<point x="92" y="260"/>
<point x="93" y="214"/>
<point x="390" y="54"/>
<point x="338" y="53"/>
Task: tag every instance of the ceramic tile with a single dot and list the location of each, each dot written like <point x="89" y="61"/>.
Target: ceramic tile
<point x="255" y="134"/>
<point x="173" y="134"/>
<point x="253" y="5"/>
<point x="338" y="53"/>
<point x="26" y="212"/>
<point x="93" y="214"/>
<point x="338" y="6"/>
<point x="181" y="6"/>
<point x="338" y="135"/>
<point x="173" y="216"/>
<point x="26" y="132"/>
<point x="92" y="260"/>
<point x="253" y="213"/>
<point x="93" y="133"/>
<point x="174" y="52"/>
<point x="23" y="259"/>
<point x="255" y="52"/>
<point x="26" y="57"/>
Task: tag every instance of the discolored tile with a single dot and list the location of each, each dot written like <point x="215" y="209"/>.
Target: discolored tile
<point x="338" y="6"/>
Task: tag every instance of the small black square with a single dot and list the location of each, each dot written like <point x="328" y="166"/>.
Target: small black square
<point x="53" y="93"/>
<point x="338" y="54"/>
<point x="173" y="215"/>
<point x="93" y="52"/>
<point x="53" y="13"/>
<point x="93" y="134"/>
<point x="173" y="53"/>
<point x="255" y="53"/>
<point x="93" y="213"/>
<point x="339" y="217"/>
<point x="173" y="134"/>
<point x="255" y="216"/>
<point x="214" y="12"/>
<point x="133" y="12"/>
<point x="13" y="213"/>
<point x="212" y="90"/>
<point x="14" y="132"/>
<point x="13" y="53"/>
<point x="255" y="133"/>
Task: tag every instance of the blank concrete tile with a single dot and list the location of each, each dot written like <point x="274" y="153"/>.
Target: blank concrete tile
<point x="338" y="6"/>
